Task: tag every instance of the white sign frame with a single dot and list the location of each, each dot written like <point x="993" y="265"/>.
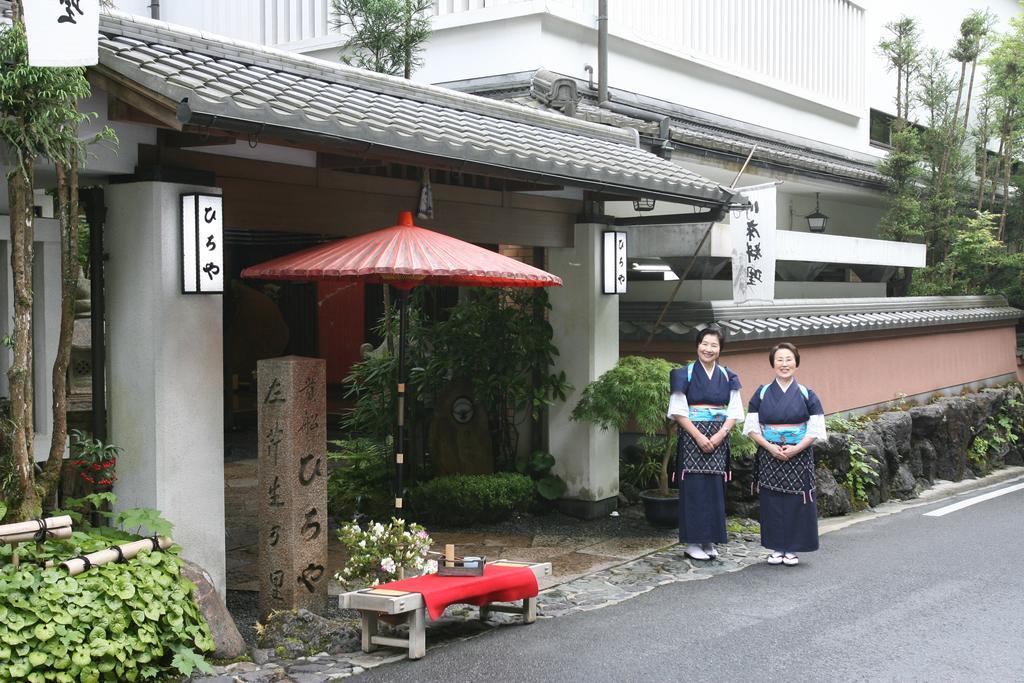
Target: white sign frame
<point x="202" y="251"/>
<point x="614" y="262"/>
<point x="62" y="33"/>
<point x="753" y="244"/>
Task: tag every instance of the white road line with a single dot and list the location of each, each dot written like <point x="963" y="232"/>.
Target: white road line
<point x="973" y="501"/>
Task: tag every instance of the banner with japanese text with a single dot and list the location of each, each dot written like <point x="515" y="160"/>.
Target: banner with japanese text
<point x="62" y="32"/>
<point x="753" y="244"/>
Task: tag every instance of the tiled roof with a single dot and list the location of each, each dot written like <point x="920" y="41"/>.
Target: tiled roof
<point x="690" y="128"/>
<point x="804" y="318"/>
<point x="242" y="84"/>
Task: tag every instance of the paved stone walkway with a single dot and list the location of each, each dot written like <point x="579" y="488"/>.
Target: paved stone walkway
<point x="607" y="586"/>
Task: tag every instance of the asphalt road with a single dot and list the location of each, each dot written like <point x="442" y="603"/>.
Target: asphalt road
<point x="905" y="597"/>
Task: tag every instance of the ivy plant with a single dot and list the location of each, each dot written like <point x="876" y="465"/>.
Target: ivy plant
<point x="131" y="621"/>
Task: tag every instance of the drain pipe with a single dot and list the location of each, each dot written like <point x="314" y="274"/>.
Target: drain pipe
<point x="154" y="9"/>
<point x="602" y="52"/>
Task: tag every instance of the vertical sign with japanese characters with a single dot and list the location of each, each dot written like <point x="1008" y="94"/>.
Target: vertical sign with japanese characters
<point x="202" y="244"/>
<point x="292" y="483"/>
<point x="753" y="244"/>
<point x="62" y="32"/>
<point x="613" y="252"/>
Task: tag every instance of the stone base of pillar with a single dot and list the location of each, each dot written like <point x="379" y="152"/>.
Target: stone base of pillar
<point x="588" y="509"/>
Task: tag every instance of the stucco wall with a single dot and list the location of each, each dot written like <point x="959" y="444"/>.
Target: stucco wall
<point x="851" y="375"/>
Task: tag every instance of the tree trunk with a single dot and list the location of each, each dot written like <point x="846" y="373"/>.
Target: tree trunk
<point x="1007" y="165"/>
<point x="1000" y="159"/>
<point x="20" y="188"/>
<point x="899" y="93"/>
<point x="67" y="198"/>
<point x="967" y="104"/>
<point x="954" y="131"/>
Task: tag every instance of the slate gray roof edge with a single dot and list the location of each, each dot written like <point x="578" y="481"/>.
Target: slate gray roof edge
<point x="728" y="310"/>
<point x="230" y="111"/>
<point x="833" y="161"/>
<point x="160" y="31"/>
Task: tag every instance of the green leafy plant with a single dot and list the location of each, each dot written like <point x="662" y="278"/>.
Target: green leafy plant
<point x="386" y="36"/>
<point x="132" y="621"/>
<point x="861" y="476"/>
<point x="466" y="499"/>
<point x="741" y="445"/>
<point x="634" y="392"/>
<point x="1000" y="430"/>
<point x="359" y="482"/>
<point x="537" y="466"/>
<point x="838" y="424"/>
<point x="378" y="553"/>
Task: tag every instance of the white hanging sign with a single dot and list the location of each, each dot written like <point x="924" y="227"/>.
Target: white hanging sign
<point x="202" y="244"/>
<point x="62" y="32"/>
<point x="613" y="268"/>
<point x="753" y="245"/>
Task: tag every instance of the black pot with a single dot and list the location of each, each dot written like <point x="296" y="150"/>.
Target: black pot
<point x="661" y="511"/>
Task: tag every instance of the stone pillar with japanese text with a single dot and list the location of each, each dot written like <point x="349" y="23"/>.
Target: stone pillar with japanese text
<point x="292" y="483"/>
<point x="753" y="244"/>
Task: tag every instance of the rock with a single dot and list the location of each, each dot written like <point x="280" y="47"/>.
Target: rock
<point x="629" y="492"/>
<point x="834" y="454"/>
<point x="261" y="655"/>
<point x="226" y="638"/>
<point x="927" y="419"/>
<point x="293" y="634"/>
<point x="240" y="667"/>
<point x="831" y="497"/>
<point x="894" y="428"/>
<point x="904" y="484"/>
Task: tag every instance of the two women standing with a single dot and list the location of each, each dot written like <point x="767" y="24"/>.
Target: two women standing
<point x="784" y="418"/>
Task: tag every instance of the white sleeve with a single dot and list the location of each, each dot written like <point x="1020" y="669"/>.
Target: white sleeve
<point x="735" y="409"/>
<point x="816" y="427"/>
<point x="677" y="405"/>
<point x="752" y="424"/>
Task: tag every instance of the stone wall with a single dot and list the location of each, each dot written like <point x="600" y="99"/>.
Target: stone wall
<point x="911" y="449"/>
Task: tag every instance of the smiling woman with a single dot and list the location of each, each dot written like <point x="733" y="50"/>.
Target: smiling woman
<point x="705" y="404"/>
<point x="784" y="418"/>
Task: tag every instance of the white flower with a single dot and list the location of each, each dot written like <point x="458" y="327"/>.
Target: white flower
<point x="362" y="543"/>
<point x="388" y="565"/>
<point x="430" y="567"/>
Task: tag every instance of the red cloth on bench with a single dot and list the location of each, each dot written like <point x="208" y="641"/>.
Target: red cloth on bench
<point x="498" y="584"/>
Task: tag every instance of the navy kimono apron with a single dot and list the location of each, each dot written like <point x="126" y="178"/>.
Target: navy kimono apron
<point x="789" y="515"/>
<point x="702" y="476"/>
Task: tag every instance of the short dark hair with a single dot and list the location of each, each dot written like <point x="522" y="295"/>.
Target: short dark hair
<point x="787" y="346"/>
<point x="716" y="331"/>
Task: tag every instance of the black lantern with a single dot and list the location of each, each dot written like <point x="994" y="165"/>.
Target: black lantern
<point x="816" y="221"/>
<point x="643" y="204"/>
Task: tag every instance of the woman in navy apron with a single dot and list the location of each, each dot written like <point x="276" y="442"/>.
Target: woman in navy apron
<point x="784" y="418"/>
<point x="705" y="403"/>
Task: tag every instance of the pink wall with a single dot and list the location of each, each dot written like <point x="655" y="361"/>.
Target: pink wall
<point x="853" y="374"/>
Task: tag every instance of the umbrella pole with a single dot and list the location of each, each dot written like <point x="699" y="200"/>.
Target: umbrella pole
<point x="399" y="445"/>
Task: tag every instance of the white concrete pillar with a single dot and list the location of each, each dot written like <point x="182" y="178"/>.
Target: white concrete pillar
<point x="165" y="384"/>
<point x="586" y="332"/>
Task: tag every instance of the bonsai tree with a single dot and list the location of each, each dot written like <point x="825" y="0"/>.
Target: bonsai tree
<point x="635" y="392"/>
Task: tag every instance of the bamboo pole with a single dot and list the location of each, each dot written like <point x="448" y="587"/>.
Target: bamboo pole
<point x="77" y="565"/>
<point x="52" y="523"/>
<point x="59" y="534"/>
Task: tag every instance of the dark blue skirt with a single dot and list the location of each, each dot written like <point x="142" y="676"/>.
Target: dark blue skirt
<point x="788" y="524"/>
<point x="702" y="508"/>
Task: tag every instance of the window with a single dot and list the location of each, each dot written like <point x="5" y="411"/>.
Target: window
<point x="881" y="128"/>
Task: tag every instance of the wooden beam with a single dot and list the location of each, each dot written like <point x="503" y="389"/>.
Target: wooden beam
<point x="154" y="105"/>
<point x="179" y="139"/>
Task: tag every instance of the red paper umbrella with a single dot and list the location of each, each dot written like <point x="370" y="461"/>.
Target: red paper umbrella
<point x="403" y="256"/>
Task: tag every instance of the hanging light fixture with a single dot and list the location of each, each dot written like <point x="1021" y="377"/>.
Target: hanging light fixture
<point x="816" y="221"/>
<point x="643" y="204"/>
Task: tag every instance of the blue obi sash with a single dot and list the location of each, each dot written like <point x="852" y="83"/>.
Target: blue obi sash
<point x="784" y="434"/>
<point x="706" y="413"/>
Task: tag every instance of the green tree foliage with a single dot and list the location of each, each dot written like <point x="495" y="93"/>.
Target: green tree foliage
<point x="902" y="53"/>
<point x="498" y="340"/>
<point x="39" y="119"/>
<point x="386" y="36"/>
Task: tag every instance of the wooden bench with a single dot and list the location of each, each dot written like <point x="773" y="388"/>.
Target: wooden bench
<point x="372" y="602"/>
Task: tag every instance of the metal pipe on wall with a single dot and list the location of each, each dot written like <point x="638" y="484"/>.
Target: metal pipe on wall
<point x="602" y="51"/>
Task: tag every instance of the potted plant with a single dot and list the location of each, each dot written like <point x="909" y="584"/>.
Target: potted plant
<point x="634" y="394"/>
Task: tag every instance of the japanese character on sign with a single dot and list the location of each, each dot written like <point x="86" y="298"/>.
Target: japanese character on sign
<point x="310" y="526"/>
<point x="274" y="535"/>
<point x="305" y="475"/>
<point x="274" y="393"/>
<point x="310" y="575"/>
<point x="752" y="231"/>
<point x="753" y="275"/>
<point x="754" y="251"/>
<point x="70" y="7"/>
<point x="275" y="497"/>
<point x="276" y="582"/>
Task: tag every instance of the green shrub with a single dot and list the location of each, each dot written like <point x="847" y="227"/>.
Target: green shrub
<point x="134" y="621"/>
<point x="466" y="499"/>
<point x="360" y="479"/>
